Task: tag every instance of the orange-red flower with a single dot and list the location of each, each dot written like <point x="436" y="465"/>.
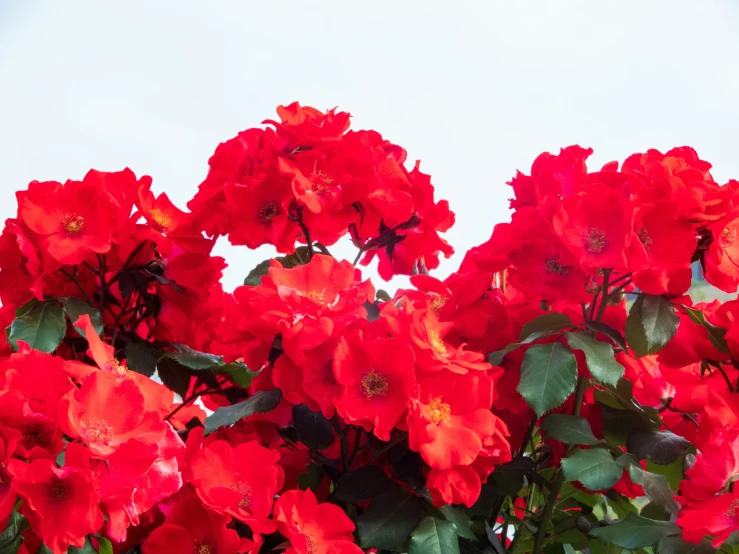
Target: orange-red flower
<point x="240" y="481"/>
<point x="314" y="528"/>
<point x="61" y="504"/>
<point x="378" y="382"/>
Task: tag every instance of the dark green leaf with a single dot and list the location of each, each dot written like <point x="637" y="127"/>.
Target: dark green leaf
<point x="311" y="479"/>
<point x="193" y="359"/>
<point x="460" y="520"/>
<point x="255" y="275"/>
<point x="362" y="484"/>
<point x="301" y="256"/>
<point x="238" y="372"/>
<point x="716" y="335"/>
<point x="548" y="376"/>
<point x="636" y="532"/>
<point x="314" y="430"/>
<point x="509" y="476"/>
<point x="382" y="296"/>
<point x="75" y="307"/>
<point x="259" y="403"/>
<point x="651" y="324"/>
<point x="597" y="547"/>
<point x="661" y="447"/>
<point x="608" y="331"/>
<point x="142" y="357"/>
<point x="568" y="429"/>
<point x="656" y="488"/>
<point x="551" y="322"/>
<point x="389" y="519"/>
<point x="433" y="536"/>
<point x="174" y="376"/>
<point x="675" y="545"/>
<point x="87" y="549"/>
<point x="595" y="468"/>
<point x="599" y="357"/>
<point x="40" y="324"/>
<point x="489" y="495"/>
<point x="10" y="538"/>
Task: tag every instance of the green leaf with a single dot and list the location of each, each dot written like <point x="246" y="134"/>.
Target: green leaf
<point x="548" y="376"/>
<point x="75" y="307"/>
<point x="595" y="468"/>
<point x="599" y="356"/>
<point x="86" y="549"/>
<point x="652" y="322"/>
<point x="174" y="376"/>
<point x="460" y="520"/>
<point x="106" y="547"/>
<point x="238" y="372"/>
<point x="193" y="359"/>
<point x="675" y="545"/>
<point x="255" y="275"/>
<point x="673" y="472"/>
<point x="568" y="429"/>
<point x="259" y="403"/>
<point x="314" y="430"/>
<point x="608" y="331"/>
<point x="717" y="335"/>
<point x="636" y="532"/>
<point x="40" y="324"/>
<point x="389" y="519"/>
<point x="10" y="538"/>
<point x="311" y="479"/>
<point x="597" y="547"/>
<point x="362" y="484"/>
<point x="433" y="536"/>
<point x="142" y="357"/>
<point x="549" y="322"/>
<point x="661" y="447"/>
<point x="656" y="488"/>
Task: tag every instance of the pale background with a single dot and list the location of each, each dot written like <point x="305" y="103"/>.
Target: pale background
<point x="474" y="89"/>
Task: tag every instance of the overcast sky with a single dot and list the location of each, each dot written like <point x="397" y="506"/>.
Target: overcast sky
<point x="473" y="89"/>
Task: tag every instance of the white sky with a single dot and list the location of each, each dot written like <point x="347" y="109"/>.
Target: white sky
<point x="474" y="89"/>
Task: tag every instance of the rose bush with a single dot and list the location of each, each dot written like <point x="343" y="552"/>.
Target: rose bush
<point x="560" y="392"/>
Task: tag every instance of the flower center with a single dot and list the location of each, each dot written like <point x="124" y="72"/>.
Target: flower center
<point x="310" y="544"/>
<point x="33" y="435"/>
<point x="436" y="343"/>
<point x="268" y="212"/>
<point x="733" y="508"/>
<point x="58" y="491"/>
<point x="595" y="240"/>
<point x="97" y="430"/>
<point x="728" y="236"/>
<point x="644" y="237"/>
<point x="552" y="265"/>
<point x="440" y="412"/>
<point x="245" y="493"/>
<point x="161" y="219"/>
<point x="203" y="546"/>
<point x="315" y="296"/>
<point x="115" y="366"/>
<point x="73" y="224"/>
<point x="374" y="384"/>
<point x="437" y="302"/>
<point x="324" y="182"/>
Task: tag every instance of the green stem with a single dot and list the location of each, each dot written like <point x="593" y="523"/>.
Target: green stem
<point x="541" y="531"/>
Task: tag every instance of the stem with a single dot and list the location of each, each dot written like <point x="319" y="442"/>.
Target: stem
<point x="342" y="440"/>
<point x="541" y="531"/>
<point x="103" y="284"/>
<point x="604" y="300"/>
<point x="186" y="401"/>
<point x="359" y="255"/>
<point x="527" y="436"/>
<point x="76" y="282"/>
<point x="308" y="240"/>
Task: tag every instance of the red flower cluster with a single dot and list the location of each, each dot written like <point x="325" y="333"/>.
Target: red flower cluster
<point x="142" y="408"/>
<point x="311" y="179"/>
